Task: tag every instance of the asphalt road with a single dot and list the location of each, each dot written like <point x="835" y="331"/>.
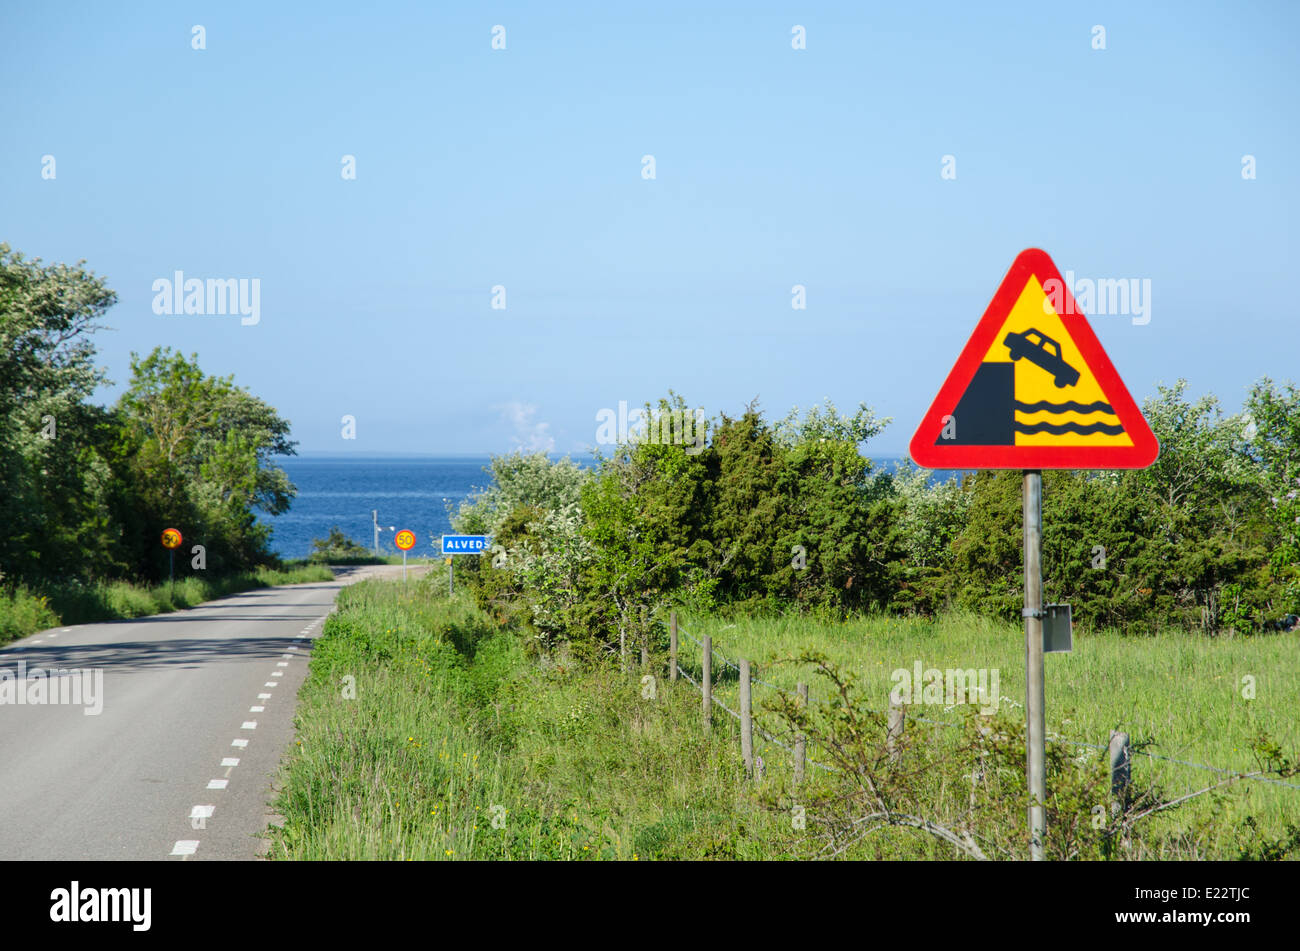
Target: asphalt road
<point x="197" y="710"/>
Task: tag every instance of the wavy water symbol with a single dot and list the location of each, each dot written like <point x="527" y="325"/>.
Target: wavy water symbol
<point x="1068" y="406"/>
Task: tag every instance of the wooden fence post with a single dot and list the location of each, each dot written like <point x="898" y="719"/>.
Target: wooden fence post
<point x="1121" y="764"/>
<point x="800" y="742"/>
<point x="1120" y="768"/>
<point x="672" y="646"/>
<point x="746" y="720"/>
<point x="706" y="682"/>
<point x="895" y="730"/>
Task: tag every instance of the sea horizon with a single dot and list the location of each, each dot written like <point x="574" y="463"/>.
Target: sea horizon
<point x="402" y="490"/>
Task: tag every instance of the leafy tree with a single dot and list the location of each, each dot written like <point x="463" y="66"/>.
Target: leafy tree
<point x="198" y="451"/>
<point x="1200" y="532"/>
<point x="531" y="511"/>
<point x="838" y="514"/>
<point x="711" y="524"/>
<point x="928" y="520"/>
<point x="53" y="474"/>
<point x="988" y="554"/>
<point x="1272" y="432"/>
<point x="84" y="491"/>
<point x="528" y="479"/>
<point x="1179" y="543"/>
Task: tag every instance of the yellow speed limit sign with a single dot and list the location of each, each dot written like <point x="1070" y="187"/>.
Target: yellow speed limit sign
<point x="405" y="539"/>
<point x="171" y="538"/>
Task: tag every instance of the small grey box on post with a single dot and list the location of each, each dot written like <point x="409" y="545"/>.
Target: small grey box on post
<point x="1058" y="629"/>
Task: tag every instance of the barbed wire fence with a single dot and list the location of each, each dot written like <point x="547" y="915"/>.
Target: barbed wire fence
<point x="1121" y="753"/>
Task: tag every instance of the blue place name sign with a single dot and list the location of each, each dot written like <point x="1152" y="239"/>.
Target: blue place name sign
<point x="464" y="544"/>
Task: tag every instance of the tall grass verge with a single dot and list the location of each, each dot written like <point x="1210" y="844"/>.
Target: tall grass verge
<point x="25" y="611"/>
<point x="426" y="732"/>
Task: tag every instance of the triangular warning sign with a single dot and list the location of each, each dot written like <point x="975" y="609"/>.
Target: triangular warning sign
<point x="1033" y="389"/>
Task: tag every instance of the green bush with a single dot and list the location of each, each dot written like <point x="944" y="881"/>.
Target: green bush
<point x="23" y="613"/>
<point x="339" y="548"/>
<point x="771" y="517"/>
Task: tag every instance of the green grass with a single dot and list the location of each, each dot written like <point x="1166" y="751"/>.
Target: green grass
<point x="1183" y="692"/>
<point x="451" y="718"/>
<point x="25" y="611"/>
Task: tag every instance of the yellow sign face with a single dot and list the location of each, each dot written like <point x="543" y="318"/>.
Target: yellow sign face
<point x="171" y="538"/>
<point x="405" y="539"/>
<point x="1058" y="401"/>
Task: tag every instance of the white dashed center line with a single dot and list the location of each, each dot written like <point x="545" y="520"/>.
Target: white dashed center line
<point x="187" y="847"/>
<point x="200" y="813"/>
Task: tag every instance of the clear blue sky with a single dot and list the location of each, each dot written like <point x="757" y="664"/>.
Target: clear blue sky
<point x="774" y="167"/>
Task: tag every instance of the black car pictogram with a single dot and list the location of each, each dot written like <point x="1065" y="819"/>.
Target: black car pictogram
<point x="1041" y="350"/>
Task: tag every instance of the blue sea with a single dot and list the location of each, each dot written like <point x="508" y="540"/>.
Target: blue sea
<point x="343" y="490"/>
<point x="407" y="492"/>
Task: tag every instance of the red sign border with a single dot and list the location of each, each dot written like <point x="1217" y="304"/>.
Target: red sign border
<point x="926" y="454"/>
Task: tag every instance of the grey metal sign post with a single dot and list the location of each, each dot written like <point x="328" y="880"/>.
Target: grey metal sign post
<point x="1035" y="714"/>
